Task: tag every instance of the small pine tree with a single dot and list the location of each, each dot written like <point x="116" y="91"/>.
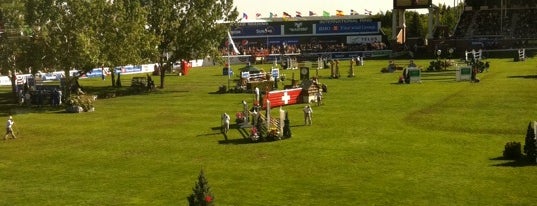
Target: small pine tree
<point x="286" y="126"/>
<point x="529" y="147"/>
<point x="202" y="195"/>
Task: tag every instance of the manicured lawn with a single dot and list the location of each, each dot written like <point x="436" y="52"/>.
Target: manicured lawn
<point x="373" y="142"/>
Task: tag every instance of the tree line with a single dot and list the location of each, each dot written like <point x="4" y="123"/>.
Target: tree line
<point x="417" y="23"/>
<point x="61" y="35"/>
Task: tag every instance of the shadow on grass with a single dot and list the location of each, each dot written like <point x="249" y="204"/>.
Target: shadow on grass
<point x="242" y="131"/>
<point x="521" y="162"/>
<point x="236" y="141"/>
<point x="246" y="141"/>
<point x="524" y="76"/>
<point x="245" y="136"/>
<point x="209" y="134"/>
<point x="9" y="105"/>
<point x="218" y="92"/>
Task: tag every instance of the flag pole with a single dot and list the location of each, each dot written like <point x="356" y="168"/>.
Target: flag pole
<point x="228" y="67"/>
<point x="229" y="55"/>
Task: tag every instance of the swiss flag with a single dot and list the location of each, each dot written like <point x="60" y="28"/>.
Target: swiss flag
<point x="282" y="97"/>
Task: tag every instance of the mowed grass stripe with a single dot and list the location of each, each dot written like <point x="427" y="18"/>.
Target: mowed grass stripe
<point x="372" y="142"/>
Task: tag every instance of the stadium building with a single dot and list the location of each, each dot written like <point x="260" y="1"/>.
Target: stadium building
<point x="336" y="36"/>
<point x="498" y="27"/>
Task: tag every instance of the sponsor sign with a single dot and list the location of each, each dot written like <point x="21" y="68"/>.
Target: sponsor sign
<point x="275" y="73"/>
<point x="256" y="30"/>
<point x="350" y="27"/>
<point x="129" y="69"/>
<point x="5" y="81"/>
<point x="364" y="39"/>
<point x="283" y="40"/>
<point x="415" y="74"/>
<point x="298" y="27"/>
<point x="464" y="74"/>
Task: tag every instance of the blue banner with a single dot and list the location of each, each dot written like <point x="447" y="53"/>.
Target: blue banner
<point x="256" y="30"/>
<point x="349" y="27"/>
<point x="129" y="69"/>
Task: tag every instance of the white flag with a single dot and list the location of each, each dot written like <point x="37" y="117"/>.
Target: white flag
<point x="232" y="43"/>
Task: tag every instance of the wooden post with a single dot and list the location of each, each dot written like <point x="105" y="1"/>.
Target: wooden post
<point x="267" y="114"/>
<point x="282" y="119"/>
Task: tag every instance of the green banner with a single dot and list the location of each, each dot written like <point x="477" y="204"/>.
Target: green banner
<point x="298" y="27"/>
<point x="466" y="70"/>
<point x="414" y="72"/>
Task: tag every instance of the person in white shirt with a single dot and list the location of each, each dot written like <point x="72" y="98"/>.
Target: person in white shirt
<point x="9" y="128"/>
<point x="307" y="115"/>
<point x="225" y="119"/>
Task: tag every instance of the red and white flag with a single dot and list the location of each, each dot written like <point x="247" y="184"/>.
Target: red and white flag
<point x="282" y="97"/>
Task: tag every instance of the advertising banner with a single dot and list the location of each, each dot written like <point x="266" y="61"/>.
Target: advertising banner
<point x="256" y="30"/>
<point x="298" y="27"/>
<point x="347" y="27"/>
<point x="364" y="39"/>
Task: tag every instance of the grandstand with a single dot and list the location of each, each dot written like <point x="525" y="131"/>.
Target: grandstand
<point x="339" y="36"/>
<point x="495" y="25"/>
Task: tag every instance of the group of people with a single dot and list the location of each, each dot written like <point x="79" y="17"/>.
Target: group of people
<point x="40" y="97"/>
<point x="307" y="47"/>
<point x="256" y="116"/>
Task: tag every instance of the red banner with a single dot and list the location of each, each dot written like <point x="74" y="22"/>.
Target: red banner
<point x="282" y="97"/>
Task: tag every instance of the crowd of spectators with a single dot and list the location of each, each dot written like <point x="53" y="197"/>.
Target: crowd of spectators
<point x="303" y="48"/>
<point x="518" y="19"/>
<point x="527" y="24"/>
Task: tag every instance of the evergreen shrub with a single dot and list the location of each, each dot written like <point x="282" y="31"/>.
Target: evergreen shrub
<point x="512" y="150"/>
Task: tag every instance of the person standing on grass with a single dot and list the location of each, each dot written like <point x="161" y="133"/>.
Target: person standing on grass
<point x="307" y="115"/>
<point x="9" y="128"/>
<point x="225" y="119"/>
<point x="319" y="96"/>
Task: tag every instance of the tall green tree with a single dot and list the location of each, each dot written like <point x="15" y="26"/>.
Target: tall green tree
<point x="385" y="21"/>
<point x="65" y="28"/>
<point x="415" y="24"/>
<point x="84" y="35"/>
<point x="188" y="29"/>
<point x="448" y="16"/>
<point x="12" y="39"/>
<point x="125" y="38"/>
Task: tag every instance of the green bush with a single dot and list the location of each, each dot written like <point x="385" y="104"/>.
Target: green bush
<point x="512" y="150"/>
<point x="83" y="101"/>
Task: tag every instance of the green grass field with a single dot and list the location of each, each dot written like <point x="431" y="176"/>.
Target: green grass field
<point x="373" y="142"/>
